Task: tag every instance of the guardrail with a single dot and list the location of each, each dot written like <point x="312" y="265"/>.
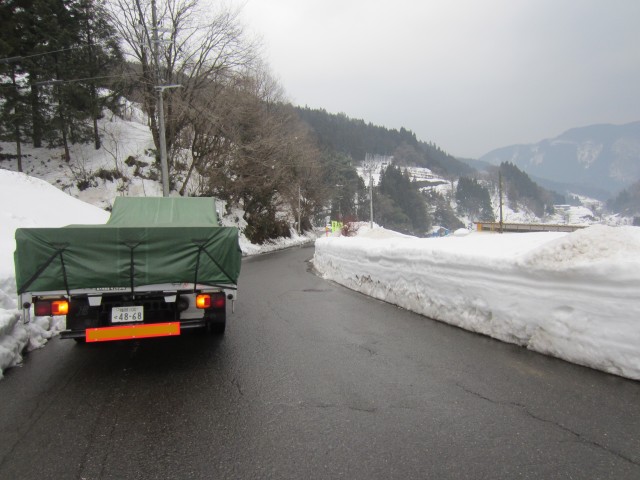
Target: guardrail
<point x="525" y="227"/>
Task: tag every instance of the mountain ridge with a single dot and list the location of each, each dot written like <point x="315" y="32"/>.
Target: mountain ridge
<point x="602" y="157"/>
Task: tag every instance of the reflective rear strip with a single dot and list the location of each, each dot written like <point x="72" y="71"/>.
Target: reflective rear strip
<point x="128" y="332"/>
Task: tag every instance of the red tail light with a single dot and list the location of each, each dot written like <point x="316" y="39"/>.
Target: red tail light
<point x="59" y="307"/>
<point x="203" y="301"/>
<point x="46" y="308"/>
<point x="206" y="300"/>
<point x="42" y="309"/>
<point x="218" y="301"/>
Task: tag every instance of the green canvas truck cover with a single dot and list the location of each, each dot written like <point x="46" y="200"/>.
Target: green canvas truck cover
<point x="146" y="241"/>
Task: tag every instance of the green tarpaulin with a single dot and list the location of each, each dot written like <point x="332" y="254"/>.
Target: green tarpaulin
<point x="163" y="212"/>
<point x="146" y="241"/>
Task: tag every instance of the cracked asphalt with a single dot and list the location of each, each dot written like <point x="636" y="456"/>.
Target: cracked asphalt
<point x="314" y="381"/>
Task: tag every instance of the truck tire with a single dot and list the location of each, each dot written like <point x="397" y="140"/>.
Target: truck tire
<point x="216" y="328"/>
<point x="217" y="325"/>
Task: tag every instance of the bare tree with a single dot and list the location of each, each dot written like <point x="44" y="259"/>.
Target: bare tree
<point x="197" y="48"/>
<point x="229" y="127"/>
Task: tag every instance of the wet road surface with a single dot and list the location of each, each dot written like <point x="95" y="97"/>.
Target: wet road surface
<point x="313" y="381"/>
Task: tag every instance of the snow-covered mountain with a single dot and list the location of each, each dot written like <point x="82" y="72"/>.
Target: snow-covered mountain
<point x="602" y="157"/>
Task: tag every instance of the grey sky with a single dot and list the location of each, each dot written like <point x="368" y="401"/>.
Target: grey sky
<point x="469" y="75"/>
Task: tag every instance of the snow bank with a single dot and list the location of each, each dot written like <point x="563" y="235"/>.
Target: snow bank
<point x="29" y="202"/>
<point x="574" y="296"/>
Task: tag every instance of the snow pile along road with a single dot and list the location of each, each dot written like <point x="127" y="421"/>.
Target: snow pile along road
<point x="29" y="202"/>
<point x="574" y="296"/>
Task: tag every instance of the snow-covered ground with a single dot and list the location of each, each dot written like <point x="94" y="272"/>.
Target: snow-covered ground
<point x="30" y="202"/>
<point x="574" y="296"/>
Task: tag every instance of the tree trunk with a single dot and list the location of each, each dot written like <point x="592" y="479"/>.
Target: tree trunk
<point x="36" y="115"/>
<point x="65" y="141"/>
<point x="63" y="131"/>
<point x="18" y="147"/>
<point x="96" y="134"/>
<point x="17" y="122"/>
<point x="188" y="176"/>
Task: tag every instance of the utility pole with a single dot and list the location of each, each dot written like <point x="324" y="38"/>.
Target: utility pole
<point x="299" y="209"/>
<point x="371" y="197"/>
<point x="368" y="167"/>
<point x="160" y="88"/>
<point x="500" y="190"/>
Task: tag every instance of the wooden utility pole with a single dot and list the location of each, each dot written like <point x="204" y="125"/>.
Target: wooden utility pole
<point x="299" y="209"/>
<point x="160" y="89"/>
<point x="500" y="189"/>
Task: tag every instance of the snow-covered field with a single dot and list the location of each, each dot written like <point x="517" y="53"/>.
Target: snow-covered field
<point x="574" y="296"/>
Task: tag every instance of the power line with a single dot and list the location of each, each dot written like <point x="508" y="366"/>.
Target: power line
<point x="73" y="80"/>
<point x="18" y="58"/>
<point x="62" y="82"/>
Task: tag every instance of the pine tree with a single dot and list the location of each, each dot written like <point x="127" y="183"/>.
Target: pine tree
<point x="404" y="206"/>
<point x="102" y="59"/>
<point x="59" y="48"/>
<point x="15" y="123"/>
<point x="473" y="200"/>
<point x="521" y="190"/>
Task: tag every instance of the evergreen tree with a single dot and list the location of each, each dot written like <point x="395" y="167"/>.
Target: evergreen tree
<point x="443" y="214"/>
<point x="388" y="214"/>
<point x="100" y="60"/>
<point x="59" y="48"/>
<point x="521" y="190"/>
<point x="354" y="137"/>
<point x="349" y="192"/>
<point x="627" y="202"/>
<point x="15" y="123"/>
<point x="402" y="204"/>
<point x="473" y="200"/>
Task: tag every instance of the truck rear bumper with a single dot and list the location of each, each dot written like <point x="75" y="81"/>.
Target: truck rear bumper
<point x="134" y="331"/>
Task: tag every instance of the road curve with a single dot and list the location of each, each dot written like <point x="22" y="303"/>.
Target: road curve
<point x="314" y="381"/>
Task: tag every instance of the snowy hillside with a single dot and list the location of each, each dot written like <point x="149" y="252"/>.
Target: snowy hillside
<point x="592" y="211"/>
<point x="87" y="175"/>
<point x="378" y="163"/>
<point x="124" y="166"/>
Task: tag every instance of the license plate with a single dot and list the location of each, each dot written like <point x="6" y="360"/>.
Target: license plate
<point x="127" y="314"/>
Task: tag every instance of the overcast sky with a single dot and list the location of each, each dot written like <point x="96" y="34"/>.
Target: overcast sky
<point x="468" y="75"/>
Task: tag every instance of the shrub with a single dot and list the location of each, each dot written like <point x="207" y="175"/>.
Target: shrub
<point x="110" y="175"/>
<point x="85" y="183"/>
<point x="350" y="229"/>
<point x="131" y="161"/>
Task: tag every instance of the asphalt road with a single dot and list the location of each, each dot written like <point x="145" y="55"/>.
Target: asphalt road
<point x="313" y="381"/>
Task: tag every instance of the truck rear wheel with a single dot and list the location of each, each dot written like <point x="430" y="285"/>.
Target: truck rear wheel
<point x="216" y="328"/>
<point x="217" y="324"/>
